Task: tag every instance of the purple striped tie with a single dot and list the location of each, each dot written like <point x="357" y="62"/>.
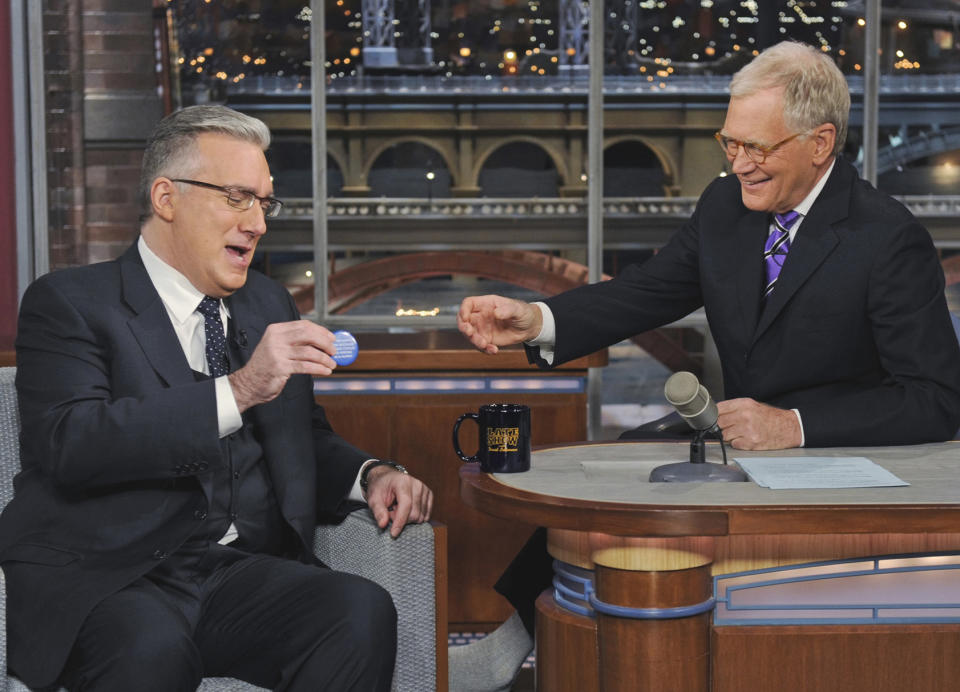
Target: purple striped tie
<point x="776" y="248"/>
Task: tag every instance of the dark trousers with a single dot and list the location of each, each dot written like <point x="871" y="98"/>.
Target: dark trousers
<point x="269" y="621"/>
<point x="525" y="578"/>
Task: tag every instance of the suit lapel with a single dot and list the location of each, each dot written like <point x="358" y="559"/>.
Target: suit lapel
<point x="151" y="324"/>
<point x="750" y="234"/>
<point x="815" y="240"/>
<point x="247" y="327"/>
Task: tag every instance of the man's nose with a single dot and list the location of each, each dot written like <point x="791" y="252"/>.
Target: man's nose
<point x="741" y="163"/>
<point x="254" y="220"/>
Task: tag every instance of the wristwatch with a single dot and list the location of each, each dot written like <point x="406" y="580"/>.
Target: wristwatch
<point x="364" y="483"/>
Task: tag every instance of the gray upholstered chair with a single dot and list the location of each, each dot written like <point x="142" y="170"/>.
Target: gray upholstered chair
<point x="412" y="568"/>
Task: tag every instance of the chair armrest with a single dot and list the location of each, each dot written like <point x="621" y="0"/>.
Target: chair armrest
<point x="408" y="567"/>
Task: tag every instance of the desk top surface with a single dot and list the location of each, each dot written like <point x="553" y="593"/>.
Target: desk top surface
<point x="613" y="493"/>
<point x="619" y="472"/>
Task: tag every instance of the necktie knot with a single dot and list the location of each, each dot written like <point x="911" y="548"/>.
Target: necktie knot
<point x="776" y="248"/>
<point x="786" y="221"/>
<point x="216" y="347"/>
<point x="209" y="307"/>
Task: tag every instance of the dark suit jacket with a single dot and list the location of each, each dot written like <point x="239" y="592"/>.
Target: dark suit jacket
<point x="856" y="335"/>
<point x="118" y="441"/>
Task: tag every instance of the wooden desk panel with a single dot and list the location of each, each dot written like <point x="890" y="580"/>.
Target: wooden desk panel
<point x="836" y="658"/>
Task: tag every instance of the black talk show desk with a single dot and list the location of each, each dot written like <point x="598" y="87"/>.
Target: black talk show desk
<point x="730" y="586"/>
<point x="400" y="399"/>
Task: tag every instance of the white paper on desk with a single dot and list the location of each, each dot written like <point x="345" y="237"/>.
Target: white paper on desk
<point x="782" y="473"/>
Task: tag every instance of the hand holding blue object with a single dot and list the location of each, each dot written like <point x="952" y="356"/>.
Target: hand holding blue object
<point x="347" y="348"/>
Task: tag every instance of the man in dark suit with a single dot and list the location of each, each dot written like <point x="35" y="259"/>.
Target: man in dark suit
<point x="824" y="296"/>
<point x="174" y="461"/>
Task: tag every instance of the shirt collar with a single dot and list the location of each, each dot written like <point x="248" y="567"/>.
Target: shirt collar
<point x="804" y="207"/>
<point x="179" y="296"/>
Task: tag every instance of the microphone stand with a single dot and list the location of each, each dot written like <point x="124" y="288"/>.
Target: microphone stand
<point x="698" y="469"/>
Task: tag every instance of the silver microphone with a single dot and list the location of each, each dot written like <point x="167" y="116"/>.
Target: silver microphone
<point x="692" y="401"/>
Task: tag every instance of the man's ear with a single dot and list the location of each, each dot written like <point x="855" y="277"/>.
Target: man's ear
<point x="163" y="197"/>
<point x="824" y="137"/>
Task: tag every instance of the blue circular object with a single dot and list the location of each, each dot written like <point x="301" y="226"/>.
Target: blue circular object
<point x="347" y="348"/>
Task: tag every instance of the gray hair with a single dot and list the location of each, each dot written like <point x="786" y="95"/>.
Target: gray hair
<point x="170" y="147"/>
<point x="815" y="90"/>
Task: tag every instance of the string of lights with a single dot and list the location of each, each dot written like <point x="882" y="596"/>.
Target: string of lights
<point x="220" y="44"/>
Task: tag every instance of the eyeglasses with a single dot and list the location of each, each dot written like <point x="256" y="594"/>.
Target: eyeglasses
<point x="755" y="152"/>
<point x="240" y="199"/>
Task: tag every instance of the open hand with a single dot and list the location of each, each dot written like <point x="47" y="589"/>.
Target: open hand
<point x="493" y="321"/>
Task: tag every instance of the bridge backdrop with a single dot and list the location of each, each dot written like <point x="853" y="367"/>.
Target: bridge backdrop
<point x="464" y="120"/>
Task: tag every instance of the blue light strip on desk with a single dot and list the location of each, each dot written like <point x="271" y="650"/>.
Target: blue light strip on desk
<point x="536" y="384"/>
<point x="357" y="385"/>
<point x="438" y="384"/>
<point x="572" y="587"/>
<point x="651" y="613"/>
<point x="573" y="591"/>
<point x="447" y="385"/>
<point x="876" y="590"/>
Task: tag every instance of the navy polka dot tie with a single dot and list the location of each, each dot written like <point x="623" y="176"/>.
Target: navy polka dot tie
<point x="216" y="343"/>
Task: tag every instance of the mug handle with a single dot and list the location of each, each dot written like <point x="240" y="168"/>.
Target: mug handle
<point x="456" y="438"/>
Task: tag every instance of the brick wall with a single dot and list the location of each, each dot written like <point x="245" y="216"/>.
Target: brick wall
<point x="121" y="105"/>
<point x="112" y="212"/>
<point x="101" y="100"/>
<point x="63" y="74"/>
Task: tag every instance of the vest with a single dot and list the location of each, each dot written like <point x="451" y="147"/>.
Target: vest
<point x="241" y="492"/>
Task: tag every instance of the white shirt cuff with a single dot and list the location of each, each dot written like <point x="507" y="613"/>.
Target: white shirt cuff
<point x="356" y="492"/>
<point x="803" y="439"/>
<point x="546" y="340"/>
<point x="228" y="414"/>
